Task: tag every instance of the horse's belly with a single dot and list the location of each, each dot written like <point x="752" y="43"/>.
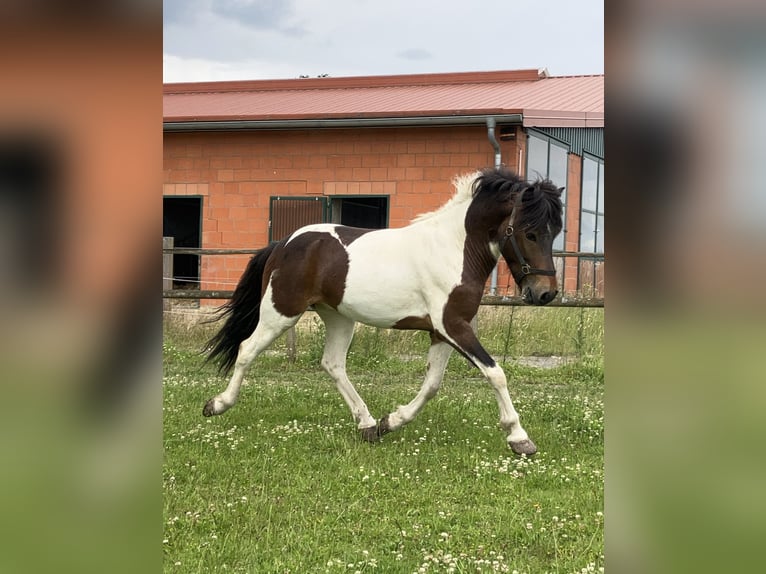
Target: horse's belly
<point x="381" y="309"/>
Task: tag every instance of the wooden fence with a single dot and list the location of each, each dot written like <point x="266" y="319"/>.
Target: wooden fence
<point x="168" y="250"/>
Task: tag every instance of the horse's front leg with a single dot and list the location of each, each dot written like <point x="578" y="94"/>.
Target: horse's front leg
<point x="438" y="356"/>
<point x="468" y="344"/>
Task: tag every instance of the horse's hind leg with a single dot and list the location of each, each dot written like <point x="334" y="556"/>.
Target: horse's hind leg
<point x="339" y="332"/>
<point x="438" y="356"/>
<point x="270" y="326"/>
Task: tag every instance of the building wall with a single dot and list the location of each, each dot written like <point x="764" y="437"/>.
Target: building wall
<point x="572" y="221"/>
<point x="237" y="173"/>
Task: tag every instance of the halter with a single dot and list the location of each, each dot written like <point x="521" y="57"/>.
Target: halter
<point x="525" y="268"/>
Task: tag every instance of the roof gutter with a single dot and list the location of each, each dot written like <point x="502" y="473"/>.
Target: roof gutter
<point x="282" y="124"/>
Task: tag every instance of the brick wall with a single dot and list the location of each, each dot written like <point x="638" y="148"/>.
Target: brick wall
<point x="572" y="221"/>
<point x="237" y="173"/>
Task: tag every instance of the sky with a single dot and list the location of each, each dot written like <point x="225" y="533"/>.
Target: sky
<point x="213" y="40"/>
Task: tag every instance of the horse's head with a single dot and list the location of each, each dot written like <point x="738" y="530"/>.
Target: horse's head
<point x="526" y="239"/>
<point x="522" y="219"/>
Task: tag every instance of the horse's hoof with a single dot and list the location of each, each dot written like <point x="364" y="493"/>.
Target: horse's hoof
<point x="373" y="434"/>
<point x="526" y="447"/>
<point x="209" y="410"/>
<point x="370" y="434"/>
<point x="383" y="427"/>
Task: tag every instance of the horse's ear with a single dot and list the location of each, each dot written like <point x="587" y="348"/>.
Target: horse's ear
<point x="561" y="190"/>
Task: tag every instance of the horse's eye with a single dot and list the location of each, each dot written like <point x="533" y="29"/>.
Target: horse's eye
<point x="531" y="236"/>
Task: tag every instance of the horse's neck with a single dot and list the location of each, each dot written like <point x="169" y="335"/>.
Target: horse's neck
<point x="445" y="229"/>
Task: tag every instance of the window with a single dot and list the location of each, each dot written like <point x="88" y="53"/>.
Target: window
<point x="592" y="216"/>
<point x="288" y="214"/>
<point x="591" y="278"/>
<point x="355" y="211"/>
<point x="548" y="158"/>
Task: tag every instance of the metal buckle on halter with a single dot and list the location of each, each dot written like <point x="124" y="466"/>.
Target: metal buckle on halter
<point x="525" y="269"/>
<point x="509" y="230"/>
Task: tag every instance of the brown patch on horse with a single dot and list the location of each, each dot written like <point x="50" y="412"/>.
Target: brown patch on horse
<point x="462" y="305"/>
<point x="310" y="269"/>
<point x="350" y="234"/>
<point x="415" y="323"/>
<point x="482" y="223"/>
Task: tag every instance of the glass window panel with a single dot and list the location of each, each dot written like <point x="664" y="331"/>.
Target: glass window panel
<point x="557" y="167"/>
<point x="589" y="183"/>
<point x="600" y="234"/>
<point x="537" y="157"/>
<point x="601" y="189"/>
<point x="587" y="235"/>
<point x="557" y="170"/>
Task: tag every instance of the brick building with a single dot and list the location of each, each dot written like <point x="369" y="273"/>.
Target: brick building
<point x="246" y="163"/>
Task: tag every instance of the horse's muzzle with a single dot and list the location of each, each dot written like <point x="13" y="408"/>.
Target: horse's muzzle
<point x="543" y="299"/>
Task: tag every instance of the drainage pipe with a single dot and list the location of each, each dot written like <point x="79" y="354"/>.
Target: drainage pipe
<point x="491" y="124"/>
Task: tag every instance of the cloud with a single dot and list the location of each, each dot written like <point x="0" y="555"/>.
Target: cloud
<point x="185" y="69"/>
<point x="415" y="54"/>
<point x="289" y="38"/>
<point x="262" y="14"/>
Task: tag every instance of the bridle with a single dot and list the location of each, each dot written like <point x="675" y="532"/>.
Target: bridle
<point x="525" y="267"/>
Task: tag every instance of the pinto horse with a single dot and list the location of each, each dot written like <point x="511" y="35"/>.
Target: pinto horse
<point x="429" y="275"/>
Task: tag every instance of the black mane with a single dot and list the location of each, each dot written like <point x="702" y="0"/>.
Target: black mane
<point x="542" y="206"/>
<point x="541" y="203"/>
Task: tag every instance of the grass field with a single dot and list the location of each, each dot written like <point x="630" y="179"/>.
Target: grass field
<point x="283" y="483"/>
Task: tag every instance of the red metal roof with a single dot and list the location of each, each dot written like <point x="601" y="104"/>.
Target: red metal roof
<point x="558" y="101"/>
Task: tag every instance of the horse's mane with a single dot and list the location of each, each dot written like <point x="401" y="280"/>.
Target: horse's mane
<point x="541" y="203"/>
<point x="540" y="206"/>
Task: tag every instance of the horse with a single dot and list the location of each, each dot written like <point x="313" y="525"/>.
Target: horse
<point x="429" y="275"/>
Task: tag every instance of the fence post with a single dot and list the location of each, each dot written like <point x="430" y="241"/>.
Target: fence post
<point x="291" y="344"/>
<point x="167" y="268"/>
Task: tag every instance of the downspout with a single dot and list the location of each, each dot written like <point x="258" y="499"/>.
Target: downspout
<point x="496" y="146"/>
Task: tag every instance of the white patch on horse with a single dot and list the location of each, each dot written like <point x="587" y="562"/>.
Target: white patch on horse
<point x="406" y="272"/>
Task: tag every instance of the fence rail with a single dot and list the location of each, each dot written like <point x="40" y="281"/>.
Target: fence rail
<point x="497" y="300"/>
<point x="227" y="251"/>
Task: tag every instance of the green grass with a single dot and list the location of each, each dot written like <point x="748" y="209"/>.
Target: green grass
<point x="282" y="482"/>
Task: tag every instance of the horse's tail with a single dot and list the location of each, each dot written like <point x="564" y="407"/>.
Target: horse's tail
<point x="241" y="312"/>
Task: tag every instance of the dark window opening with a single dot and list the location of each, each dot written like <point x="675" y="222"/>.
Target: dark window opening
<point x="368" y="212"/>
<point x="181" y="220"/>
